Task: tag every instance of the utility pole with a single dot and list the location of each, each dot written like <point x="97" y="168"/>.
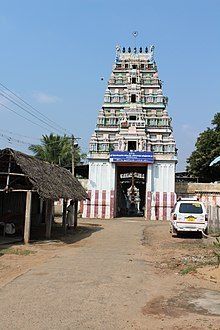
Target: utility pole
<point x="74" y="145"/>
<point x="73" y="174"/>
<point x="65" y="200"/>
<point x="73" y="154"/>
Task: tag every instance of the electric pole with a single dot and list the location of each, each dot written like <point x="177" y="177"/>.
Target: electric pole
<point x="74" y="145"/>
<point x="73" y="154"/>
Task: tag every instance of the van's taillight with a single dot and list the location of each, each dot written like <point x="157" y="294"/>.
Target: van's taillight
<point x="206" y="217"/>
<point x="174" y="217"/>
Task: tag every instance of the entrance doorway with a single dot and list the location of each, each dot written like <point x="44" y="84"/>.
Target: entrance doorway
<point x="132" y="145"/>
<point x="131" y="190"/>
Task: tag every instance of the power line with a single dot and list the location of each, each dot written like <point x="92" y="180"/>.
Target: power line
<point x="29" y="112"/>
<point x="33" y="108"/>
<point x="9" y="138"/>
<point x="24" y="136"/>
<point x="30" y="137"/>
<point x="18" y="114"/>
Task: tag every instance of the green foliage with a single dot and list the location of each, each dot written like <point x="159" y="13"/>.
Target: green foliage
<point x="207" y="148"/>
<point x="19" y="252"/>
<point x="188" y="269"/>
<point x="56" y="149"/>
<point x="216" y="121"/>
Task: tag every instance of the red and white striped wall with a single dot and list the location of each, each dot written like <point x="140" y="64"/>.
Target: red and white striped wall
<point x="159" y="205"/>
<point x="101" y="205"/>
<point x="210" y="199"/>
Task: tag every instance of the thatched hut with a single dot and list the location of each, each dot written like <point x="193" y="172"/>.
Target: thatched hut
<point x="28" y="188"/>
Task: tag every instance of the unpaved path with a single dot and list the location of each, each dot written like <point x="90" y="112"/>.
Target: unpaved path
<point x="116" y="278"/>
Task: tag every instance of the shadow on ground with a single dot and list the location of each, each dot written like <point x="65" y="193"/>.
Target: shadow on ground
<point x="72" y="235"/>
<point x="189" y="235"/>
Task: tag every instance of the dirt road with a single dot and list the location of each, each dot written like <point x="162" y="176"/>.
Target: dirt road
<point x="122" y="276"/>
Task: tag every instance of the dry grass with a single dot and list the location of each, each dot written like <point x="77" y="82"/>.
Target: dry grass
<point x="15" y="251"/>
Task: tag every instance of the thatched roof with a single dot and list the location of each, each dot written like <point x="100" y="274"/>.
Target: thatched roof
<point x="49" y="180"/>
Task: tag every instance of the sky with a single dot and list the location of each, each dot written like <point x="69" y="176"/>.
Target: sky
<point x="54" y="53"/>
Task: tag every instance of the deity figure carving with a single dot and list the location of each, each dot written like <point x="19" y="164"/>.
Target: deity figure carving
<point x="119" y="145"/>
<point x="151" y="54"/>
<point x="118" y="49"/>
<point x="142" y="145"/>
<point x="125" y="116"/>
<point x="123" y="144"/>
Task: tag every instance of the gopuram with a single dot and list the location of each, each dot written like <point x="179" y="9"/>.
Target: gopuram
<point x="132" y="153"/>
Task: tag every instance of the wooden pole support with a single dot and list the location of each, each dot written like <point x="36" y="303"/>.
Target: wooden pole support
<point x="75" y="213"/>
<point x="64" y="215"/>
<point x="48" y="217"/>
<point x="27" y="224"/>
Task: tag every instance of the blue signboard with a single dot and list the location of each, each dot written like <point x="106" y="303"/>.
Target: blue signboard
<point x="132" y="156"/>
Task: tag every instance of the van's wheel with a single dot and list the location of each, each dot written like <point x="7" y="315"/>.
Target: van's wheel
<point x="206" y="232"/>
<point x="173" y="232"/>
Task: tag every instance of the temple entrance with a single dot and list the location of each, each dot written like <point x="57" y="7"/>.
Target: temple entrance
<point x="131" y="190"/>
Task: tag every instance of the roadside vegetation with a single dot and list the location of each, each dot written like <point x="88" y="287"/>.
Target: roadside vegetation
<point x="207" y="148"/>
<point x="57" y="149"/>
<point x="182" y="255"/>
<point x="15" y="251"/>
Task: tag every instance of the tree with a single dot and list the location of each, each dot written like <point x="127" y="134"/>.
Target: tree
<point x="207" y="147"/>
<point x="56" y="149"/>
<point x="216" y="122"/>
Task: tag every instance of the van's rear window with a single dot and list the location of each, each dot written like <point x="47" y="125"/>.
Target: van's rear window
<point x="191" y="208"/>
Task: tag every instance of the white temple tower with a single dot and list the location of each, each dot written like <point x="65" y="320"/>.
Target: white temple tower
<point x="132" y="153"/>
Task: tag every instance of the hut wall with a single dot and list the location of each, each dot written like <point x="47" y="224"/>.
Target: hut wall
<point x="36" y="218"/>
<point x="13" y="206"/>
<point x="13" y="203"/>
<point x="12" y="209"/>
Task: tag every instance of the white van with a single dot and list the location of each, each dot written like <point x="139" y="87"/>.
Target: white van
<point x="188" y="214"/>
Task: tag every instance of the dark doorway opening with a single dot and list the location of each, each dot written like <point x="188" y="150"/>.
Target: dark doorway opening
<point x="131" y="190"/>
<point x="133" y="98"/>
<point x="133" y="80"/>
<point x="132" y="145"/>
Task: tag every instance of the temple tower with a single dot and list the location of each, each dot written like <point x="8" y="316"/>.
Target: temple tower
<point x="132" y="153"/>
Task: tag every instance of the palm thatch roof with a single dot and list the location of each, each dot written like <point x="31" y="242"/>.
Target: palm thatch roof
<point x="48" y="180"/>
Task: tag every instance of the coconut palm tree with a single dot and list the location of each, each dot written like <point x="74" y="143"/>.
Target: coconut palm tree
<point x="56" y="149"/>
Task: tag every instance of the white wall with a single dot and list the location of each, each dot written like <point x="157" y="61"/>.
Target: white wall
<point x="161" y="177"/>
<point x="149" y="177"/>
<point x="101" y="175"/>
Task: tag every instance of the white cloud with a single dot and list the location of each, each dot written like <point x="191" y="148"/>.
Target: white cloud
<point x="45" y="98"/>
